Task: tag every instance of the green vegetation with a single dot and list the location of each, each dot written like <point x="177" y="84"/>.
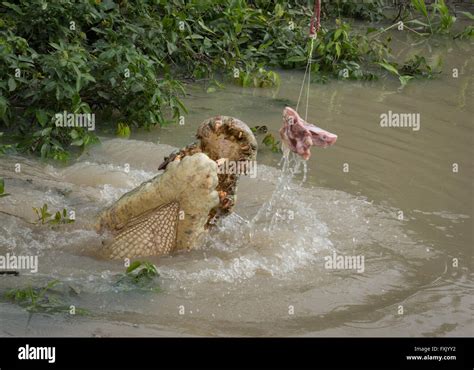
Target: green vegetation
<point x="44" y="217"/>
<point x="341" y="54"/>
<point x="5" y="148"/>
<point x="123" y="130"/>
<point x="435" y="18"/>
<point x="130" y="62"/>
<point x="141" y="275"/>
<point x="44" y="299"/>
<point x="2" y="188"/>
<point x="268" y="140"/>
<point x="363" y="10"/>
<point x="259" y="129"/>
<point x="414" y="68"/>
<point x="468" y="32"/>
<point x="257" y="77"/>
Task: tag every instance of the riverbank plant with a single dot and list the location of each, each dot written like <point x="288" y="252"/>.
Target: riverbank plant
<point x="433" y="18"/>
<point x="416" y="67"/>
<point x="118" y="61"/>
<point x="363" y="10"/>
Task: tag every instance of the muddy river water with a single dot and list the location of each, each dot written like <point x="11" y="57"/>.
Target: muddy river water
<point x="398" y="197"/>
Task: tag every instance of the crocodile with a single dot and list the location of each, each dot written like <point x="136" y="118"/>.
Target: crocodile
<point x="175" y="209"/>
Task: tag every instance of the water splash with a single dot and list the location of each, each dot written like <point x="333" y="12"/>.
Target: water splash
<point x="270" y="214"/>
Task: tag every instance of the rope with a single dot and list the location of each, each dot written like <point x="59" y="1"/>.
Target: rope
<point x="314" y="28"/>
<point x="309" y="79"/>
<point x="302" y="85"/>
<point x="316" y="17"/>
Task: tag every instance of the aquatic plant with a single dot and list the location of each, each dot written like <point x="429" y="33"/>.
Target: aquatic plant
<point x="43" y="299"/>
<point x="2" y="188"/>
<point x="123" y="130"/>
<point x="140" y="274"/>
<point x="270" y="141"/>
<point x="259" y="77"/>
<point x="44" y="217"/>
<point x="468" y="31"/>
<point x="415" y="67"/>
<point x="259" y="129"/>
<point x="81" y="138"/>
<point x="213" y="86"/>
<point x="438" y="19"/>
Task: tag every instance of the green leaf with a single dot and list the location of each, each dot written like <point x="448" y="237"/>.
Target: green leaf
<point x="404" y="79"/>
<point x="469" y="15"/>
<point x="46" y="131"/>
<point x="44" y="150"/>
<point x="123" y="130"/>
<point x="3" y="106"/>
<point x="420" y="6"/>
<point x="133" y="266"/>
<point x="171" y="47"/>
<point x="78" y="142"/>
<point x="195" y="36"/>
<point x="296" y="58"/>
<point x="201" y="23"/>
<point x="74" y="134"/>
<point x="338" y="49"/>
<point x="78" y="83"/>
<point x="13" y="7"/>
<point x="2" y="188"/>
<point x="54" y="45"/>
<point x="268" y="139"/>
<point x="279" y="11"/>
<point x="42" y="117"/>
<point x="389" y="67"/>
<point x="11" y="84"/>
